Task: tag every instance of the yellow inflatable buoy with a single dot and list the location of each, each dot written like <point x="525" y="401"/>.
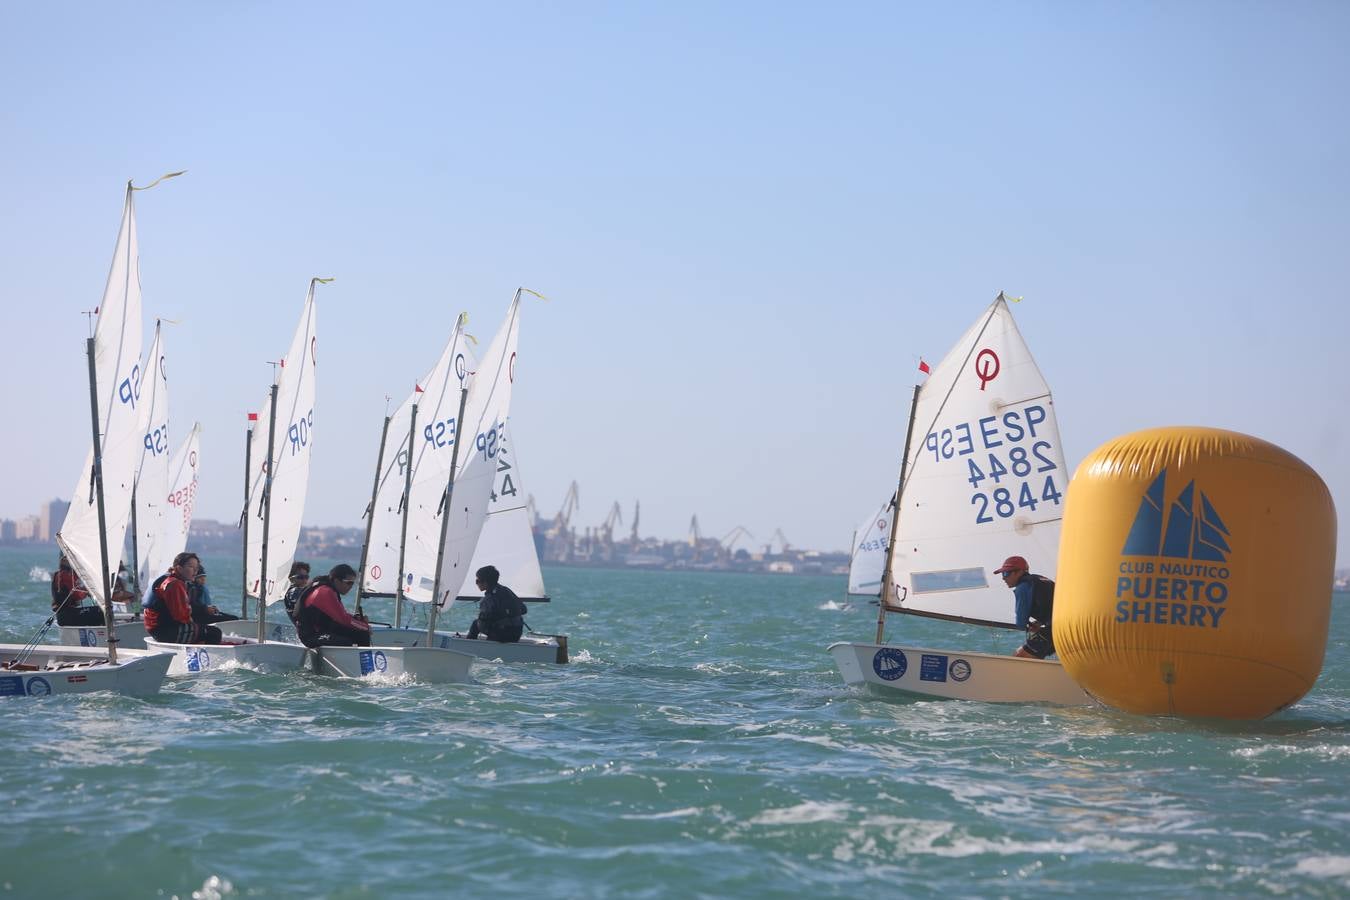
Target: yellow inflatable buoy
<point x="1195" y="570"/>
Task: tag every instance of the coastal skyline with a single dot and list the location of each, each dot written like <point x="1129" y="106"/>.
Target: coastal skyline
<point x="752" y="223"/>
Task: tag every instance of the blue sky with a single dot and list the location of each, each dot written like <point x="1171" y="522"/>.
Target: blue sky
<point x="751" y="219"/>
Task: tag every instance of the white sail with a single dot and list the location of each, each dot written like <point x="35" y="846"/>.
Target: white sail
<point x="292" y="442"/>
<point x="433" y="447"/>
<point x="152" y="477"/>
<point x="506" y="540"/>
<point x="180" y="498"/>
<point x="386" y="512"/>
<point x="985" y="478"/>
<point x="117" y="388"/>
<point x="869" y="552"/>
<point x="486" y="412"/>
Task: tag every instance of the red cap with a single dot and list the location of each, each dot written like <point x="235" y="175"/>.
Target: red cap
<point x="1012" y="562"/>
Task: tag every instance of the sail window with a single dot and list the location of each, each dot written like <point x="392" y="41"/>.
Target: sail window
<point x="948" y="580"/>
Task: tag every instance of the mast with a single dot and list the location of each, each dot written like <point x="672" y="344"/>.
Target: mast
<point x="403" y="505"/>
<point x="887" y="584"/>
<point x="267" y="516"/>
<point x="370" y="513"/>
<point x="135" y="570"/>
<point x="445" y="515"/>
<point x="102" y="520"/>
<point x="248" y="450"/>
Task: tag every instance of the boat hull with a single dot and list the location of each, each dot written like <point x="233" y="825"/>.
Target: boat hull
<point x="269" y="656"/>
<point x="277" y="630"/>
<point x="131" y="633"/>
<point x="953" y="675"/>
<point x="430" y="665"/>
<point x="538" y="648"/>
<point x="54" y="669"/>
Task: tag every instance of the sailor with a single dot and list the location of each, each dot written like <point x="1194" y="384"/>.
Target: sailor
<point x="1034" y="601"/>
<point x="168" y="614"/>
<point x="322" y="621"/>
<point x="67" y="595"/>
<point x="501" y="614"/>
<point x="204" y="611"/>
<point x="299" y="583"/>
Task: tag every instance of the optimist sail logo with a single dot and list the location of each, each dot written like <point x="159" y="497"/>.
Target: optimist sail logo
<point x="1182" y="579"/>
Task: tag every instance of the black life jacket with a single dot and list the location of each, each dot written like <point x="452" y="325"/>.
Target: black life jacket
<point x="310" y="623"/>
<point x="156" y="602"/>
<point x="1042" y="599"/>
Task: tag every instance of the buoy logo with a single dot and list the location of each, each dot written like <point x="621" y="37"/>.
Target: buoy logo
<point x="1189" y="536"/>
<point x="1162" y="590"/>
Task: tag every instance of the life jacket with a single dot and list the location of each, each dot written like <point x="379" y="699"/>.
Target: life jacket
<point x="310" y="623"/>
<point x="153" y="605"/>
<point x="1042" y="599"/>
<point x="61" y="591"/>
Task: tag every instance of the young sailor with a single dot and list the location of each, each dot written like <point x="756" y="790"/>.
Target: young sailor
<point x="1034" y="596"/>
<point x="168" y="613"/>
<point x="322" y="621"/>
<point x="501" y="614"/>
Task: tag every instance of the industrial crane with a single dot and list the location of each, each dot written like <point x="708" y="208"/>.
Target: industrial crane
<point x="607" y="530"/>
<point x="782" y="540"/>
<point x="570" y="504"/>
<point x="733" y="536"/>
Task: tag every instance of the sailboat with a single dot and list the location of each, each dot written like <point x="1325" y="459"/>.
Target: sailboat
<point x="982" y="478"/>
<point x="507" y="542"/>
<point x="424" y="506"/>
<point x="278" y="482"/>
<point x="149" y="489"/>
<point x="91" y="535"/>
<point x="868" y="559"/>
<point x="404" y="514"/>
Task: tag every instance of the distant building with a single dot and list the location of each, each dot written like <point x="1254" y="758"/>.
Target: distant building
<point x="50" y="517"/>
<point x="26" y="529"/>
<point x="8" y="531"/>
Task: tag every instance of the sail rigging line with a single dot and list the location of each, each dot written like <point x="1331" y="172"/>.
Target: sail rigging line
<point x="243" y="518"/>
<point x="102" y="514"/>
<point x="267" y="520"/>
<point x="887" y="576"/>
<point x="370" y="509"/>
<point x="437" y="601"/>
<point x="403" y="511"/>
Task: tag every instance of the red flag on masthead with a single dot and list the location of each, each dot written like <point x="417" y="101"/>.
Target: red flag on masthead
<point x="923" y="367"/>
<point x="253" y="417"/>
<point x="417" y="389"/>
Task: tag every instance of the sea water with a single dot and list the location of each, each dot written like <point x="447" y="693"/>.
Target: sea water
<point x="699" y="744"/>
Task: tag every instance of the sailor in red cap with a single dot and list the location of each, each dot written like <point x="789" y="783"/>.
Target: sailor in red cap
<point x="1034" y="599"/>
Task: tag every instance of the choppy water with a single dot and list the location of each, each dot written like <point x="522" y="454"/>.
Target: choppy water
<point x="701" y="744"/>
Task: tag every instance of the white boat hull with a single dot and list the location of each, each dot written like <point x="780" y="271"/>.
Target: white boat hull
<point x="538" y="648"/>
<point x="269" y="656"/>
<point x="130" y="635"/>
<point x="953" y="675"/>
<point x="277" y="629"/>
<point x="54" y="669"/>
<point x="431" y="665"/>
